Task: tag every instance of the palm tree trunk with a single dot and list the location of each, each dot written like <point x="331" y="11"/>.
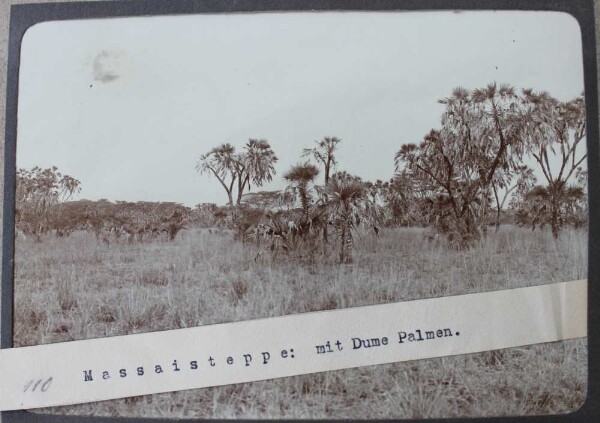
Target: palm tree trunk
<point x="327" y="169"/>
<point x="346" y="243"/>
<point x="555" y="192"/>
<point x="304" y="201"/>
<point x="498" y="209"/>
<point x="554" y="220"/>
<point x="342" y="245"/>
<point x="38" y="233"/>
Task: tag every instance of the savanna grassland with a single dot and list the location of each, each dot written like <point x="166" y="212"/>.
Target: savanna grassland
<point x="76" y="288"/>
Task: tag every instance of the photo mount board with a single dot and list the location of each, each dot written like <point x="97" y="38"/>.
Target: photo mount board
<point x="23" y="17"/>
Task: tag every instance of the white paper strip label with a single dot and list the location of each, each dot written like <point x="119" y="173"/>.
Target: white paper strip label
<point x="116" y="367"/>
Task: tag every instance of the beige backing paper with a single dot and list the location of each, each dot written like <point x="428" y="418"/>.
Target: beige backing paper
<point x="55" y="374"/>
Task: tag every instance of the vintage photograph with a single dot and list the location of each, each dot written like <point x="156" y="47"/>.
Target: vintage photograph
<point x="180" y="171"/>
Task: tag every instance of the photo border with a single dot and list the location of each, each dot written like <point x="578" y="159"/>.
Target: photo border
<point x="24" y="16"/>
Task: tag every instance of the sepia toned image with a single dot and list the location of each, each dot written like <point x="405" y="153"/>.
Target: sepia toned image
<point x="180" y="171"/>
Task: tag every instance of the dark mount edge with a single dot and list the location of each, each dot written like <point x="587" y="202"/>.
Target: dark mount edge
<point x="24" y="16"/>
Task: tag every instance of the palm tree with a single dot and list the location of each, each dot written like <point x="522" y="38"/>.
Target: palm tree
<point x="255" y="166"/>
<point x="324" y="153"/>
<point x="349" y="204"/>
<point x="221" y="162"/>
<point x="555" y="130"/>
<point x="554" y="206"/>
<point x="300" y="177"/>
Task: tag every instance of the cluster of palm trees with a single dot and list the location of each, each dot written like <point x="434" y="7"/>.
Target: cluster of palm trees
<point x="481" y="153"/>
<point x="457" y="180"/>
<point x="343" y="201"/>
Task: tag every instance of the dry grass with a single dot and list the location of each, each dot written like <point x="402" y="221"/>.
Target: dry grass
<point x="75" y="288"/>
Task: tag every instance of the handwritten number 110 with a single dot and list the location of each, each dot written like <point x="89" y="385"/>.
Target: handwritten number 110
<point x="32" y="385"/>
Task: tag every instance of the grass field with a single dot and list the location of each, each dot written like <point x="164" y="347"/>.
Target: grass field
<point x="76" y="288"/>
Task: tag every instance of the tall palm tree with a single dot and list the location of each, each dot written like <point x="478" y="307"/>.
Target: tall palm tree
<point x="255" y="166"/>
<point x="349" y="204"/>
<point x="221" y="162"/>
<point x="556" y="129"/>
<point x="324" y="153"/>
<point x="300" y="177"/>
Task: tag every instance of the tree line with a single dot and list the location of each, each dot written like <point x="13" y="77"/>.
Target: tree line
<point x="459" y="180"/>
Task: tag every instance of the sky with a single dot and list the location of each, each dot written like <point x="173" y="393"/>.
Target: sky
<point x="128" y="105"/>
